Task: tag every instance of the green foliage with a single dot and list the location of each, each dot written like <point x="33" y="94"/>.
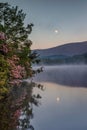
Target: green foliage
<point x="12" y="21"/>
<point x="3" y="75"/>
<point x="16" y="58"/>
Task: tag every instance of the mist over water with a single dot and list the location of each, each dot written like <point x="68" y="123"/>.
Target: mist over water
<point x="68" y="75"/>
<point x="64" y="101"/>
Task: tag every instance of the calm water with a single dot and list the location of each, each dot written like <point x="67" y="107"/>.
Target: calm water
<point x="63" y="105"/>
<point x="64" y="99"/>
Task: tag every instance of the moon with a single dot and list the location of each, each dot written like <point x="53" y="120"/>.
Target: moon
<point x="56" y="31"/>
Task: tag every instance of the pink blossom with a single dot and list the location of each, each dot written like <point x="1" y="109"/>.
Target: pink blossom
<point x="17" y="72"/>
<point x="2" y="36"/>
<point x="4" y="48"/>
<point x="17" y="113"/>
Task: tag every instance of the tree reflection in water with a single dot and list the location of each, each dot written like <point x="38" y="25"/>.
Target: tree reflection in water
<point x="16" y="111"/>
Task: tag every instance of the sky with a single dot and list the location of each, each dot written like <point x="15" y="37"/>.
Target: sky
<point x="56" y="22"/>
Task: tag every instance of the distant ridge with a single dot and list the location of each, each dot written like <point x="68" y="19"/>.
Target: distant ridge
<point x="70" y="49"/>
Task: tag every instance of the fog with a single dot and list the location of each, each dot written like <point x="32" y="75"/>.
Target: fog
<point x="68" y="75"/>
<point x="64" y="101"/>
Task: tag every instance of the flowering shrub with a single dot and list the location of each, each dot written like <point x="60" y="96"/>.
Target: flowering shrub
<point x="16" y="69"/>
<point x="15" y="48"/>
<point x="17" y="72"/>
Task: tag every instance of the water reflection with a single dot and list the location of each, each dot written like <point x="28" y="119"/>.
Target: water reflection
<point x="16" y="111"/>
<point x="64" y="102"/>
<point x="68" y="75"/>
<point x="58" y="99"/>
<point x="63" y="108"/>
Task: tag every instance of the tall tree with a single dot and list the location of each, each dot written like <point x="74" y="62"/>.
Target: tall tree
<point x="16" y="57"/>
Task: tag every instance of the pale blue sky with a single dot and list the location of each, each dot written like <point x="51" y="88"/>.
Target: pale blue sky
<point x="69" y="17"/>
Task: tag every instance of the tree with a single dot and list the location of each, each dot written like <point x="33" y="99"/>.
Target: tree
<point x="15" y="47"/>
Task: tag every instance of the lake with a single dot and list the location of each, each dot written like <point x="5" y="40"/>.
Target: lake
<point x="55" y="99"/>
<point x="63" y="105"/>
